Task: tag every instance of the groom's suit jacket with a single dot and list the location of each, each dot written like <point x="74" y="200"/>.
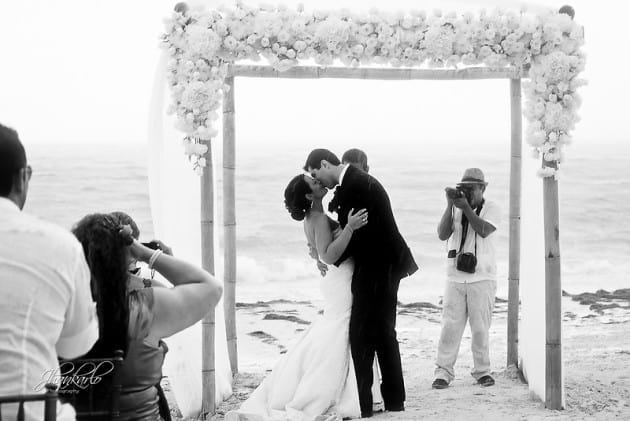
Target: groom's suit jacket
<point x="378" y="247"/>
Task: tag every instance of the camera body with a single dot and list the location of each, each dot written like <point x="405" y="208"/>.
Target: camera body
<point x="467" y="262"/>
<point x="455" y="193"/>
<point x="153" y="245"/>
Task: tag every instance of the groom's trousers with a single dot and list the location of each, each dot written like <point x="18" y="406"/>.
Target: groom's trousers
<point x="373" y="330"/>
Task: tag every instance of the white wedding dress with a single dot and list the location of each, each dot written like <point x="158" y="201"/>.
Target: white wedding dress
<point x="316" y="377"/>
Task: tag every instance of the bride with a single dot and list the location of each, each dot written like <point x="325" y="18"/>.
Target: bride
<point x="315" y="380"/>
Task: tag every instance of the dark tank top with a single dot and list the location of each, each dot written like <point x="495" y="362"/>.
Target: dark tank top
<point x="142" y="368"/>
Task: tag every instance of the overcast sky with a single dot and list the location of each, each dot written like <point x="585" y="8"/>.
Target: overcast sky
<point x="82" y="71"/>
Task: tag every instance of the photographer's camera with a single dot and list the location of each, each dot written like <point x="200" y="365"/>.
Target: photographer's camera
<point x="454" y="193"/>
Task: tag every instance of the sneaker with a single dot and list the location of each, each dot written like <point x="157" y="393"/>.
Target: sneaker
<point x="486" y="381"/>
<point x="439" y="384"/>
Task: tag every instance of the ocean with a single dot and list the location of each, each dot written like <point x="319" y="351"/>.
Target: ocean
<point x="71" y="180"/>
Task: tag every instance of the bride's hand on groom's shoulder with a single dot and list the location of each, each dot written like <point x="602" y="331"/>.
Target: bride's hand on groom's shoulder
<point x="357" y="219"/>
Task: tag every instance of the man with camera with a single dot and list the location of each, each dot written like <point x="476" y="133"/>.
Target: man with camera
<point x="468" y="224"/>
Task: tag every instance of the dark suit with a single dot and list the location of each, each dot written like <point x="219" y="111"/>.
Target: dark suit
<point x="381" y="260"/>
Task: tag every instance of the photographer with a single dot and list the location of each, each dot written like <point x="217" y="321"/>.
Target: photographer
<point x="134" y="316"/>
<point x="468" y="223"/>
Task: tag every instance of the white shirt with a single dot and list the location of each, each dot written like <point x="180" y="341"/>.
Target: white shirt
<point x="46" y="306"/>
<point x="486" y="248"/>
<point x="343" y="172"/>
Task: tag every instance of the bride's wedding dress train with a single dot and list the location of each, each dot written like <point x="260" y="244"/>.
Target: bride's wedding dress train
<point x="315" y="380"/>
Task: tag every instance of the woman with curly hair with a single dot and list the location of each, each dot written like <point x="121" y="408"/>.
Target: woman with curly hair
<point x="135" y="319"/>
<point x="315" y="380"/>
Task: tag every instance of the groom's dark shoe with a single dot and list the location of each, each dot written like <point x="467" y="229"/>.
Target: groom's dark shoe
<point x="439" y="384"/>
<point x="395" y="408"/>
<point x="367" y="414"/>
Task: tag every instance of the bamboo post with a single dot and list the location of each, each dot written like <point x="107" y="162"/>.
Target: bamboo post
<point x="553" y="294"/>
<point x="207" y="262"/>
<point x="515" y="222"/>
<point x="229" y="223"/>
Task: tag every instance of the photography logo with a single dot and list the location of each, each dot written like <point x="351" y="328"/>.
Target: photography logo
<point x="72" y="377"/>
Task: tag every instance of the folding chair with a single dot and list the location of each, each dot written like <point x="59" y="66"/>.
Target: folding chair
<point x="88" y="394"/>
<point x="49" y="398"/>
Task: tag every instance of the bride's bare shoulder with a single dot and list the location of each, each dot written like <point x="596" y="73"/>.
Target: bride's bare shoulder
<point x="315" y="219"/>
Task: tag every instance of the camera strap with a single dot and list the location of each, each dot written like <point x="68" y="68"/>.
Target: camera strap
<point x="465" y="224"/>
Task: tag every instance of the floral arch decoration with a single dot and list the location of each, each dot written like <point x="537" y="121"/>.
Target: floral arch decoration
<point x="544" y="45"/>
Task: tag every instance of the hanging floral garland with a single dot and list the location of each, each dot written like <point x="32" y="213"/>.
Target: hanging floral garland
<point x="201" y="44"/>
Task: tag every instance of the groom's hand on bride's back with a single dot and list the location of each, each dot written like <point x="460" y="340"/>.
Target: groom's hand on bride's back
<point x="323" y="268"/>
<point x="312" y="251"/>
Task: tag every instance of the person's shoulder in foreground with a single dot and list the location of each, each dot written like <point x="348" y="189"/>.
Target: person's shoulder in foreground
<point x="42" y="264"/>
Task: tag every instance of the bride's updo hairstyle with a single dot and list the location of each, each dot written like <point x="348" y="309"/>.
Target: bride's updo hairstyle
<point x="295" y="197"/>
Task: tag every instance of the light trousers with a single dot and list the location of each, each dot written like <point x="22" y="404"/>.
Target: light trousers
<point x="471" y="302"/>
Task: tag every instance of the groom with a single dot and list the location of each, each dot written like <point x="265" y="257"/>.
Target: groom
<point x="381" y="260"/>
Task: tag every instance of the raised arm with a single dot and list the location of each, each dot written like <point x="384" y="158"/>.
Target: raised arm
<point x="194" y="294"/>
<point x="480" y="225"/>
<point x="445" y="228"/>
<point x="329" y="248"/>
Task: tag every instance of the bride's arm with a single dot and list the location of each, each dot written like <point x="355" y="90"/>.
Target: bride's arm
<point x="329" y="249"/>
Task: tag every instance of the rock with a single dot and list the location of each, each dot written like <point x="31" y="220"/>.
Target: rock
<point x="251" y="305"/>
<point x="622" y="294"/>
<point x="600" y="307"/>
<point x="418" y="306"/>
<point x="295" y="319"/>
<point x="283" y="301"/>
<point x="264" y="336"/>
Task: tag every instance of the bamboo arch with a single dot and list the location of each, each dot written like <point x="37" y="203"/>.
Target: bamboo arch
<point x="553" y="367"/>
<point x="553" y="377"/>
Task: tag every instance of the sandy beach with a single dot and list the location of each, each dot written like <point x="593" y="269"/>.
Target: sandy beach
<point x="596" y="355"/>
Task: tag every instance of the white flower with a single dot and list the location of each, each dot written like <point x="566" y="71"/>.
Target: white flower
<point x="438" y="42"/>
<point x="485" y="51"/>
<point x="200" y="148"/>
<point x="545" y="172"/>
<point x="203" y="43"/>
<point x="557" y="67"/>
<point x="407" y="22"/>
<point x="537" y="138"/>
<point x="284" y="37"/>
<point x="299" y="45"/>
<point x="358" y="49"/>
